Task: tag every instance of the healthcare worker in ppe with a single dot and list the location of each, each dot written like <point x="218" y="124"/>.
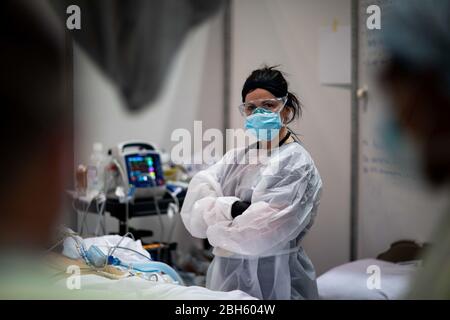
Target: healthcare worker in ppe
<point x="256" y="213"/>
<point x="416" y="78"/>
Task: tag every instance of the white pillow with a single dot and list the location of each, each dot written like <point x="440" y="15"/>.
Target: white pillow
<point x="349" y="281"/>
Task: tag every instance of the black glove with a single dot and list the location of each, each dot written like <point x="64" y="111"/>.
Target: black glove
<point x="238" y="208"/>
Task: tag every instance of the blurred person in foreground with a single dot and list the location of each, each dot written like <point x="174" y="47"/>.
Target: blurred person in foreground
<point x="417" y="81"/>
<point x="36" y="159"/>
<point x="35" y="141"/>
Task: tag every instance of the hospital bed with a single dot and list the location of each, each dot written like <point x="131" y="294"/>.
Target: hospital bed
<point x="119" y="267"/>
<point x="113" y="284"/>
<point x="396" y="267"/>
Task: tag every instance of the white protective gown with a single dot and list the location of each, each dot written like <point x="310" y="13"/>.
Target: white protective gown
<point x="259" y="251"/>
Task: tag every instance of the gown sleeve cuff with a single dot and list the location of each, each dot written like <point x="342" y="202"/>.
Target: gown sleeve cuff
<point x="221" y="210"/>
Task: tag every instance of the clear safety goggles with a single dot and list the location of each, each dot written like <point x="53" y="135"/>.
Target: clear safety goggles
<point x="273" y="105"/>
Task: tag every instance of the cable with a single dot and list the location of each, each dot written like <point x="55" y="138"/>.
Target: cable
<point x="84" y="214"/>
<point x="129" y="249"/>
<point x="161" y="222"/>
<point x="66" y="235"/>
<point x="118" y="244"/>
<point x="127" y="213"/>
<point x="112" y="249"/>
<point x="78" y="212"/>
<point x="55" y="245"/>
<point x="177" y="211"/>
<point x="294" y="135"/>
<point x="102" y="218"/>
<point x="122" y="173"/>
<point x="162" y="267"/>
<point x="175" y="199"/>
<point x="102" y="196"/>
<point x="172" y="228"/>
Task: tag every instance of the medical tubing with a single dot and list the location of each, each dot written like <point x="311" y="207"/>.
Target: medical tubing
<point x="102" y="218"/>
<point x="84" y="213"/>
<point x="174" y="222"/>
<point x="112" y="249"/>
<point x="102" y="211"/>
<point x="173" y="225"/>
<point x="135" y="251"/>
<point x="161" y="222"/>
<point x="158" y="267"/>
<point x="55" y="245"/>
<point x="65" y="235"/>
<point x="122" y="173"/>
<point x="127" y="213"/>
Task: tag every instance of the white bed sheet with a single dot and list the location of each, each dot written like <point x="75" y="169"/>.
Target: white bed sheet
<point x="349" y="281"/>
<point x="94" y="286"/>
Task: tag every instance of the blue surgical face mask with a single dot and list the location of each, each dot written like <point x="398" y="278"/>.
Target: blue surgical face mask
<point x="400" y="148"/>
<point x="263" y="124"/>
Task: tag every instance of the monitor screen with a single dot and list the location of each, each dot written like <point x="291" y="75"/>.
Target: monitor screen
<point x="144" y="171"/>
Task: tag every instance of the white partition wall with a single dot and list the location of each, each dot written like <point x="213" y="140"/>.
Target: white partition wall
<point x="394" y="203"/>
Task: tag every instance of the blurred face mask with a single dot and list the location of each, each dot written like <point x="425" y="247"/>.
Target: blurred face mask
<point x="400" y="148"/>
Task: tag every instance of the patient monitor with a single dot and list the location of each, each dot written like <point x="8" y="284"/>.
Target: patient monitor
<point x="141" y="169"/>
